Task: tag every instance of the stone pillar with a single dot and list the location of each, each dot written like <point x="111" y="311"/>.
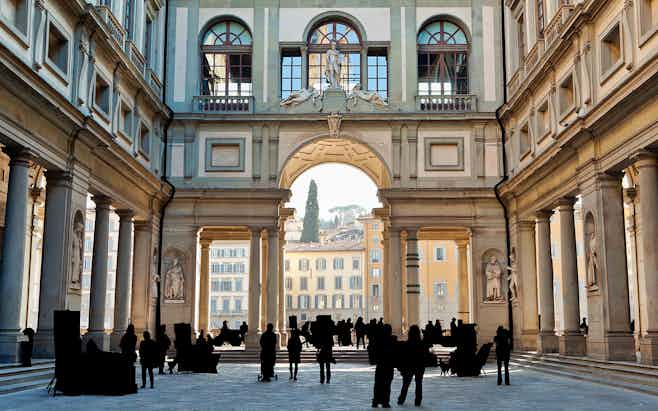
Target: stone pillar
<point x="547" y="340"/>
<point x="123" y="284"/>
<point x="282" y="291"/>
<point x="386" y="275"/>
<point x="609" y="337"/>
<point x="13" y="256"/>
<point x="630" y="199"/>
<point x="571" y="341"/>
<point x="527" y="278"/>
<point x="462" y="281"/>
<point x="395" y="277"/>
<point x="144" y="286"/>
<point x="204" y="284"/>
<point x="273" y="277"/>
<point x="98" y="290"/>
<point x="413" y="282"/>
<point x="57" y="254"/>
<point x="647" y="166"/>
<point x="254" y="290"/>
<point x="262" y="321"/>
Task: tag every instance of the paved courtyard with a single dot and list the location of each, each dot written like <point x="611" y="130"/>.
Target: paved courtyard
<point x="235" y="388"/>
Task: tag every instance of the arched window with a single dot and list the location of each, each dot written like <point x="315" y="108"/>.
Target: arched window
<point x="348" y="43"/>
<point x="442" y="59"/>
<point x="226" y="60"/>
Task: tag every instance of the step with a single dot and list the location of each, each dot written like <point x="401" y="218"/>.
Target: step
<point x="598" y="365"/>
<point x="6" y="372"/>
<point x="23" y="386"/>
<point x="26" y="377"/>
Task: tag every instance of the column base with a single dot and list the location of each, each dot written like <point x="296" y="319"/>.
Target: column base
<point x="44" y="344"/>
<point x="572" y="344"/>
<point x="101" y="339"/>
<point x="613" y="347"/>
<point x="115" y="340"/>
<point x="10" y="344"/>
<point x="547" y="342"/>
<point x="252" y="342"/>
<point x="649" y="349"/>
<point x="528" y="341"/>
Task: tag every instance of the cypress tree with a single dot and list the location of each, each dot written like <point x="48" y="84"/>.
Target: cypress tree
<point x="311" y="228"/>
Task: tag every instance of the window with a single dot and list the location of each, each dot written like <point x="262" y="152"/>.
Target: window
<point x="288" y="301"/>
<point x="238" y="305"/>
<point x="286" y="264"/>
<point x="320" y="302"/>
<point x="144" y="140"/>
<point x="320" y="283"/>
<point x="375" y="290"/>
<point x="125" y="120"/>
<point x="15" y="12"/>
<point x="543" y="120"/>
<point x="375" y="272"/>
<point x="215" y="268"/>
<point x="321" y="264"/>
<point x="291" y="72"/>
<point x="378" y="74"/>
<point x="440" y="253"/>
<point x="304" y="301"/>
<point x="226" y="285"/>
<point x="610" y="51"/>
<point x="442" y="59"/>
<point x="375" y="255"/>
<point x="226" y="303"/>
<point x="355" y="282"/>
<point x="128" y="18"/>
<point x="238" y="284"/>
<point x="356" y="301"/>
<point x="540" y="18"/>
<point x="347" y="42"/>
<point x="648" y="16"/>
<point x="520" y="39"/>
<point x="524" y="140"/>
<point x="338" y="263"/>
<point x="226" y="60"/>
<point x="338" y="301"/>
<point x="566" y="95"/>
<point x="303" y="264"/>
<point x="338" y="282"/>
<point x="440" y="289"/>
<point x="356" y="263"/>
<point x="288" y="283"/>
<point x="303" y="283"/>
<point x="58" y="49"/>
<point x="214" y="286"/>
<point x="102" y="95"/>
<point x="148" y="33"/>
<point x="213" y="305"/>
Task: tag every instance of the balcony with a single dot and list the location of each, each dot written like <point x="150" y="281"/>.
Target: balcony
<point x="223" y="104"/>
<point x="154" y="81"/>
<point x="135" y="56"/>
<point x="554" y="27"/>
<point x="449" y="103"/>
<point x="117" y="32"/>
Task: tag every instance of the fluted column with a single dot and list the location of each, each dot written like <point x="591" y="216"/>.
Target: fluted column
<point x="254" y="289"/>
<point x="647" y="166"/>
<point x="13" y="255"/>
<point x="571" y="342"/>
<point x="413" y="283"/>
<point x="386" y="276"/>
<point x="204" y="284"/>
<point x="395" y="277"/>
<point x="282" y="291"/>
<point x="123" y="280"/>
<point x="547" y="341"/>
<point x="98" y="290"/>
<point x="144" y="286"/>
<point x="462" y="281"/>
<point x="273" y="277"/>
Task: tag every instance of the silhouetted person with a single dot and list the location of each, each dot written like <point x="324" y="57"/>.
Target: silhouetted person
<point x="128" y="343"/>
<point x="413" y="365"/>
<point x="371" y="332"/>
<point x="163" y="344"/>
<point x="26" y="348"/>
<point x="360" y="331"/>
<point x="632" y="325"/>
<point x="428" y="332"/>
<point x="268" y="353"/>
<point x="225" y="329"/>
<point x="244" y="328"/>
<point x="306" y="333"/>
<point x="325" y="357"/>
<point x="438" y="332"/>
<point x="384" y="355"/>
<point x="453" y="327"/>
<point x="294" y="353"/>
<point x="348" y="331"/>
<point x="503" y="342"/>
<point x="148" y="357"/>
<point x="584" y="328"/>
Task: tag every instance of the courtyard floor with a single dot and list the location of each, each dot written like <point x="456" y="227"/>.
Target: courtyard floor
<point x="235" y="387"/>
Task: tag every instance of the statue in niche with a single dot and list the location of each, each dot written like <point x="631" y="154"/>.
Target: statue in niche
<point x="371" y="97"/>
<point x="77" y="252"/>
<point x="494" y="274"/>
<point x="513" y="277"/>
<point x="174" y="282"/>
<point x="332" y="70"/>
<point x="591" y="256"/>
<point x="298" y="97"/>
<point x="155" y="278"/>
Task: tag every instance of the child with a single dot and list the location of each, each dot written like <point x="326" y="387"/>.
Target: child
<point x="294" y="352"/>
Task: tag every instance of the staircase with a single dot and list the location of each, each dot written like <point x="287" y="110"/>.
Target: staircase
<point x="628" y="375"/>
<point x="307" y="356"/>
<point x="14" y="378"/>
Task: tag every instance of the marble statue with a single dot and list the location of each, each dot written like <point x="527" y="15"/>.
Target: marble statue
<point x="77" y="253"/>
<point x="513" y="277"/>
<point x="371" y="97"/>
<point x="298" y="97"/>
<point x="174" y="282"/>
<point x="494" y="274"/>
<point x="332" y="70"/>
<point x="592" y="260"/>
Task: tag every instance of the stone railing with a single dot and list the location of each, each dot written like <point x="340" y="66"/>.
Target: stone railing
<point x="117" y="32"/>
<point x="554" y="27"/>
<point x="449" y="103"/>
<point x="532" y="57"/>
<point x="515" y="81"/>
<point x="223" y="104"/>
<point x="154" y="81"/>
<point x="135" y="56"/>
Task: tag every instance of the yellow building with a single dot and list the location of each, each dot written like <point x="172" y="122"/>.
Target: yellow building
<point x="373" y="290"/>
<point x="438" y="281"/>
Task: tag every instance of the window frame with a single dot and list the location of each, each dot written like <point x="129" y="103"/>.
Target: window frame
<point x="64" y="76"/>
<point x="22" y="37"/>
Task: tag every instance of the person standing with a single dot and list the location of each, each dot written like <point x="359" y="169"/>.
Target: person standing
<point x="148" y="357"/>
<point x="503" y="342"/>
<point x="244" y="328"/>
<point x="384" y="370"/>
<point x="163" y="345"/>
<point x="360" y="331"/>
<point x="413" y="365"/>
<point x="325" y="357"/>
<point x="268" y="353"/>
<point x="294" y="353"/>
<point x="128" y="343"/>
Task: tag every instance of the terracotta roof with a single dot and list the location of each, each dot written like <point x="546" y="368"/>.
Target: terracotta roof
<point x="345" y="245"/>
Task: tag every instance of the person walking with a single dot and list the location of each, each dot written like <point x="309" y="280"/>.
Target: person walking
<point x="503" y="342"/>
<point x="268" y="353"/>
<point x="294" y="353"/>
<point x="413" y="365"/>
<point x="163" y="345"/>
<point x="384" y="369"/>
<point x="148" y="357"/>
<point x="325" y="357"/>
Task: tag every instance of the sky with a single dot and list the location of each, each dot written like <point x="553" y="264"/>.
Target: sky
<point x="338" y="185"/>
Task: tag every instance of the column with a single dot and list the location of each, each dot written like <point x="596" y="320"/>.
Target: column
<point x="98" y="290"/>
<point x="273" y="277"/>
<point x="630" y="199"/>
<point x="262" y="321"/>
<point x="144" y="286"/>
<point x="547" y="340"/>
<point x="13" y="256"/>
<point x="647" y="166"/>
<point x="462" y="281"/>
<point x="386" y="275"/>
<point x="282" y="290"/>
<point x="413" y="282"/>
<point x="123" y="281"/>
<point x="254" y="290"/>
<point x="204" y="284"/>
<point x="527" y="282"/>
<point x="395" y="277"/>
<point x="571" y="342"/>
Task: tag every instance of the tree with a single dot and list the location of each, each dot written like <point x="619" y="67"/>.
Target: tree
<point x="311" y="228"/>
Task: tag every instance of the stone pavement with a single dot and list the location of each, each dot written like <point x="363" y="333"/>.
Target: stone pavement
<point x="235" y="387"/>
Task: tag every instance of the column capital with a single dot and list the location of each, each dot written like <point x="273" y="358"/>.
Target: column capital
<point x="543" y="216"/>
<point x="102" y="202"/>
<point x="20" y="156"/>
<point x="644" y="158"/>
<point x="255" y="231"/>
<point x="630" y="194"/>
<point x="462" y="243"/>
<point x="412" y="233"/>
<point x="60" y="178"/>
<point x="526" y="225"/>
<point x="205" y="243"/>
<point x="565" y="203"/>
<point x="125" y="215"/>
